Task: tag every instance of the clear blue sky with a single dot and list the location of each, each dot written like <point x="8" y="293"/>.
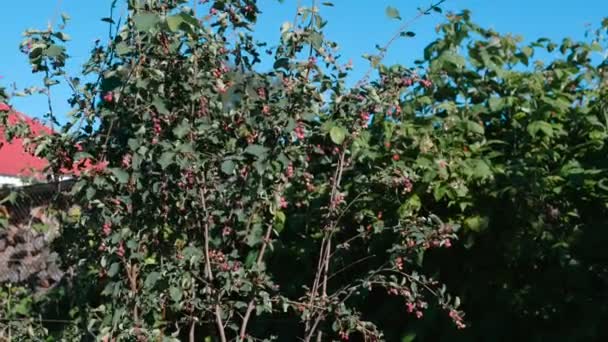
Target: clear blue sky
<point x="358" y="25"/>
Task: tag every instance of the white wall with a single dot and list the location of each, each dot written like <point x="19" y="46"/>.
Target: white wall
<point x="8" y="180"/>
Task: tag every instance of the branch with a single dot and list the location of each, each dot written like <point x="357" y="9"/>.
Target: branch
<point x="251" y="304"/>
<point x="351" y="265"/>
<point x="395" y="36"/>
<point x="310" y="26"/>
<point x="325" y="252"/>
<point x="208" y="271"/>
<point x="312" y="330"/>
<point x="220" y="325"/>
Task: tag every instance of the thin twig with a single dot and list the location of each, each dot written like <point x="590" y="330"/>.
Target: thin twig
<point x="312" y="330"/>
<point x="208" y="271"/>
<point x="251" y="304"/>
<point x="49" y="100"/>
<point x="351" y="265"/>
<point x="396" y="35"/>
<point x="295" y="17"/>
<point x="220" y="325"/>
<point x="63" y="321"/>
<point x="310" y="26"/>
<point x="191" y="334"/>
<point x="325" y="280"/>
<point x="325" y="250"/>
<point x="56" y="15"/>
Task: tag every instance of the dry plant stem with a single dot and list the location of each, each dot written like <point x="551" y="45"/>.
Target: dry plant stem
<point x="132" y="274"/>
<point x="325" y="252"/>
<point x="49" y="100"/>
<point x="313" y="329"/>
<point x="334" y="192"/>
<point x="220" y="325"/>
<point x="62" y="321"/>
<point x="208" y="272"/>
<point x="356" y="262"/>
<point x="251" y="304"/>
<point x="325" y="278"/>
<point x="191" y="334"/>
<point x="315" y="285"/>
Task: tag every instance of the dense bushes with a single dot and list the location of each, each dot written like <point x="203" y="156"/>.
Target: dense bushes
<point x="224" y="202"/>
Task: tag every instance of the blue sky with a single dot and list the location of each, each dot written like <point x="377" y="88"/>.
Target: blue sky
<point x="357" y="25"/>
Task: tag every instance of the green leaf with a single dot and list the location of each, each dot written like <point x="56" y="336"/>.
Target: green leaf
<point x="24" y="306"/>
<point x="256" y="150"/>
<point x="251" y="258"/>
<point x="392" y="13"/>
<point x="542" y="126"/>
<point x="603" y="184"/>
<point x="54" y="51"/>
<point x="166" y="159"/>
<point x="114" y="268"/>
<point x="182" y="129"/>
<point x="123" y="48"/>
<point x="174" y="22"/>
<point x="145" y="21"/>
<point x="496" y="103"/>
<point x="481" y="169"/>
<point x="120" y="174"/>
<point x="160" y="105"/>
<point x="228" y="167"/>
<point x="337" y="134"/>
<point x="151" y="279"/>
<point x="117" y="316"/>
<point x="190" y="20"/>
<point x="410" y="207"/>
<point x="279" y="219"/>
<point x="476" y="223"/>
<point x="453" y="58"/>
<point x="175" y="293"/>
<point x="281" y="63"/>
<point x="475" y="127"/>
<point x="64" y="37"/>
<point x="411" y="337"/>
<point x="408" y="34"/>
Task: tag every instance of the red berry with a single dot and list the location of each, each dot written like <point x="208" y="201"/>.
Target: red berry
<point x="396" y="157"/>
<point x="108" y="97"/>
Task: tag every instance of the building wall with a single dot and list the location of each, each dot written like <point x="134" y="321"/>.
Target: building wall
<point x="8" y="180"/>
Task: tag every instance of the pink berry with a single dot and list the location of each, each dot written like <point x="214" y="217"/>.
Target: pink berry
<point x="108" y="97"/>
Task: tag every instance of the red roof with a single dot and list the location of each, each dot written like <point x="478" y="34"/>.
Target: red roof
<point x="14" y="160"/>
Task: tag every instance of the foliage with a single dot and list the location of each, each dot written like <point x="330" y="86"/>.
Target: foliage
<point x="532" y="267"/>
<point x="201" y="176"/>
<point x="225" y="202"/>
